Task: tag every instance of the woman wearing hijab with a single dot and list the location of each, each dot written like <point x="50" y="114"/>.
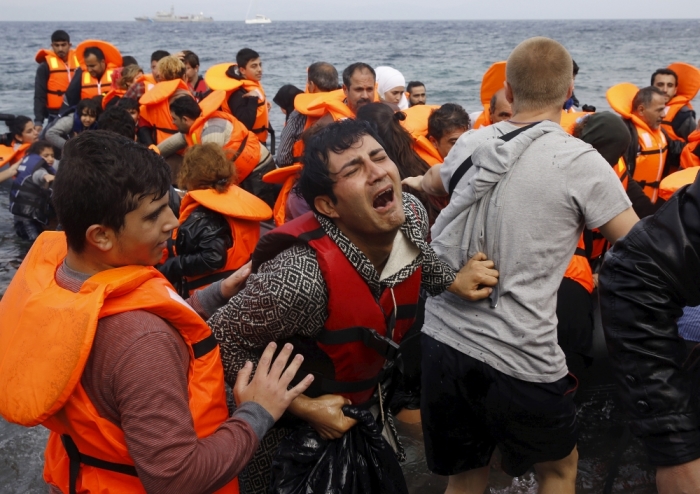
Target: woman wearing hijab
<point x="285" y="99"/>
<point x="391" y="86"/>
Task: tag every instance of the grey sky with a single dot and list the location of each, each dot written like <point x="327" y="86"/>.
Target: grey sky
<point x="281" y="10"/>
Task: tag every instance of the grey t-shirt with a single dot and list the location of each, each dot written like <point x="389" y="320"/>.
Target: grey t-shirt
<point x="558" y="184"/>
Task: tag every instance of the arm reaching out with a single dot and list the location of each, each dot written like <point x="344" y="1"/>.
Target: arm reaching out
<point x="430" y="183"/>
<point x="474" y="280"/>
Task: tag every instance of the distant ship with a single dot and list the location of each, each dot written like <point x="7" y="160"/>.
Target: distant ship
<point x="171" y="17"/>
<point x="258" y="19"/>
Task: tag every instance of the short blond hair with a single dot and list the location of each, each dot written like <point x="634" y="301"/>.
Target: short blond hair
<point x="171" y="68"/>
<point x="540" y="72"/>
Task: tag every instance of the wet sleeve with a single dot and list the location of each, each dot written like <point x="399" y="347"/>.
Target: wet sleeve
<point x="244" y="109"/>
<point x="286" y="297"/>
<point x="171" y="145"/>
<point x="594" y="190"/>
<point x="290" y="135"/>
<point x="157" y="423"/>
<point x="40" y="93"/>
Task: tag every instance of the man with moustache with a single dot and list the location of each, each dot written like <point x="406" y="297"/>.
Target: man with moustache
<point x="342" y="280"/>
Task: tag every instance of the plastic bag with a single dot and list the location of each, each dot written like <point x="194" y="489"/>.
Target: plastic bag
<point x="361" y="462"/>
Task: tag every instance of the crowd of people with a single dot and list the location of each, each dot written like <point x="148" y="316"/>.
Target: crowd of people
<point x="422" y="263"/>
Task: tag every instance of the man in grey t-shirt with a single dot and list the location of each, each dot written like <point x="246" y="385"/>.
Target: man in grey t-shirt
<point x="493" y="373"/>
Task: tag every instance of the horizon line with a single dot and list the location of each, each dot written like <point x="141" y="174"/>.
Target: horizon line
<point x="655" y="19"/>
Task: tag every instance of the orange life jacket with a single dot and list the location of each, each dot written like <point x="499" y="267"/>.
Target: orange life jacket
<point x="651" y="158"/>
<point x="491" y="83"/>
<point x="9" y="155"/>
<point x="148" y="81"/>
<point x="688" y="87"/>
<point x="243" y="147"/>
<point x="243" y="212"/>
<point x="287" y="176"/>
<point x="51" y="330"/>
<point x="113" y="59"/>
<point x="91" y="87"/>
<point x="217" y="79"/>
<point x="569" y="119"/>
<point x="599" y="243"/>
<point x="155" y="107"/>
<point x="60" y="75"/>
<point x="416" y="123"/>
<point x="579" y="269"/>
<point x="113" y="93"/>
<point x="677" y="180"/>
<point x="317" y="105"/>
<point x="690" y="156"/>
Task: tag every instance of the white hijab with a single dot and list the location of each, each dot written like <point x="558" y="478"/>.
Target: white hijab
<point x="387" y="79"/>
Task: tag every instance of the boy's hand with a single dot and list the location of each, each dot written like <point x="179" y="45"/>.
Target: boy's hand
<point x="269" y="385"/>
<point x="325" y="414"/>
<point x="49" y="178"/>
<point x="474" y="279"/>
<point x="233" y="284"/>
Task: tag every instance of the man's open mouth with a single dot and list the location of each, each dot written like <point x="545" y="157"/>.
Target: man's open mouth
<point x="383" y="199"/>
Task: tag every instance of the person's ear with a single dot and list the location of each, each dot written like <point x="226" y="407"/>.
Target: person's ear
<point x="325" y="206"/>
<point x="433" y="141"/>
<point x="345" y="90"/>
<point x="509" y="92"/>
<point x="100" y="237"/>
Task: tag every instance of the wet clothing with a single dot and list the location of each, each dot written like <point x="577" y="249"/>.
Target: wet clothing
<point x="202" y="242"/>
<point x="468" y="408"/>
<point x="129" y="349"/>
<point x="540" y="171"/>
<point x="647" y="279"/>
<point x="288" y="297"/>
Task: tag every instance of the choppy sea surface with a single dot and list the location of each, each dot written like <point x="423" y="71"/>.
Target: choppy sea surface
<point x="450" y="57"/>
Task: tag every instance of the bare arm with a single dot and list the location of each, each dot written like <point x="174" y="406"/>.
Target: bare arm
<point x="619" y="226"/>
<point x="430" y="183"/>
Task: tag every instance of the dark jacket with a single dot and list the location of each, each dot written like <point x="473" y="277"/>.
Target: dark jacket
<point x="75" y="88"/>
<point x="645" y="281"/>
<point x="201" y="245"/>
<point x="41" y="81"/>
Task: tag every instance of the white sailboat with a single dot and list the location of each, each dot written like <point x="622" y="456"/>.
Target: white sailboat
<point x="259" y="18"/>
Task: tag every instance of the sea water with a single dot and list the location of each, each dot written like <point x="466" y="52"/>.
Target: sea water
<point x="449" y="57"/>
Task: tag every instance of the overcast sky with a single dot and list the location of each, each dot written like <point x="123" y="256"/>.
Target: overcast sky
<point x="284" y="10"/>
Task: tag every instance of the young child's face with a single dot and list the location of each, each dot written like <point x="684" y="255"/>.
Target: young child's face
<point x="134" y="114"/>
<point x="87" y="118"/>
<point x="48" y="155"/>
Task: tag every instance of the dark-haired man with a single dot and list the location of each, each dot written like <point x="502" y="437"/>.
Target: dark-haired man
<point x="113" y="426"/>
<point x="321" y="77"/>
<point x="53" y="75"/>
<point x="156" y="57"/>
<point x="96" y="78"/>
<point x="118" y="120"/>
<point x="446" y="125"/>
<point x="362" y="246"/>
<point x="416" y="93"/>
<point x="499" y="111"/>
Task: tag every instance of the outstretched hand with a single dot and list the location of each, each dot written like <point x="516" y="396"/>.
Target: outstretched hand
<point x="233" y="284"/>
<point x="416" y="183"/>
<point x="474" y="280"/>
<point x="268" y="388"/>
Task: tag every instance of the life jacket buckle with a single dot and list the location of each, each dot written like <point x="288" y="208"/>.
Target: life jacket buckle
<point x="384" y="346"/>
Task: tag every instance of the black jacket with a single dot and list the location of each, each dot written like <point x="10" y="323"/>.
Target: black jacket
<point x="645" y="281"/>
<point x="201" y="245"/>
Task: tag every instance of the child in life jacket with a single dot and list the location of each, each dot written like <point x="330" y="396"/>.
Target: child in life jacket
<point x="219" y="221"/>
<point x="84" y="118"/>
<point x="30" y="195"/>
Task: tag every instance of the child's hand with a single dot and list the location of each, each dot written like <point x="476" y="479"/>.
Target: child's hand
<point x="49" y="178"/>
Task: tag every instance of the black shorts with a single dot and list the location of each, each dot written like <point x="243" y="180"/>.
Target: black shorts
<point x="468" y="408"/>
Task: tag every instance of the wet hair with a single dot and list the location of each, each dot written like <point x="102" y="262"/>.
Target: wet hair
<point x="185" y="106"/>
<point x="93" y="107"/>
<point x="128" y="74"/>
<point x="413" y="84"/>
<point x="244" y="56"/>
<point x="103" y="177"/>
<point x="446" y="119"/>
<point x="171" y="68"/>
<point x="93" y="50"/>
<point x="207" y="166"/>
<point x="38" y="146"/>
<point x="157" y="55"/>
<point x="60" y="35"/>
<point x="539" y="71"/>
<point x="128" y="104"/>
<point x="323" y="75"/>
<point x="664" y="72"/>
<point x="575" y="67"/>
<point x="645" y="95"/>
<point x="128" y="60"/>
<point x="117" y="120"/>
<point x="398" y="143"/>
<point x="352" y="68"/>
<point x="190" y="58"/>
<point x="17" y="124"/>
<point x="336" y="137"/>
